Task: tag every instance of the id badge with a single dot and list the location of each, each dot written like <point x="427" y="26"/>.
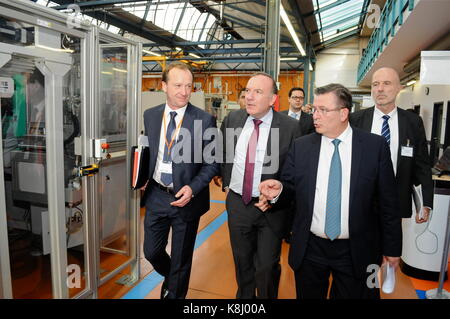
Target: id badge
<point x="407" y="151"/>
<point x="165" y="167"/>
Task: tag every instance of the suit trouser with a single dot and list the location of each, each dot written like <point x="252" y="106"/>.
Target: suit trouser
<point x="256" y="250"/>
<point x="176" y="268"/>
<point x="322" y="258"/>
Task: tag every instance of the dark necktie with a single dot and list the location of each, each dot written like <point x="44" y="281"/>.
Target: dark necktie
<point x="247" y="186"/>
<point x="385" y="131"/>
<point x="333" y="210"/>
<point x="166" y="178"/>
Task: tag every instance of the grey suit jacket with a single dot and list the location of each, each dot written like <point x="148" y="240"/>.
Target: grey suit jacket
<point x="288" y="130"/>
<point x="306" y="123"/>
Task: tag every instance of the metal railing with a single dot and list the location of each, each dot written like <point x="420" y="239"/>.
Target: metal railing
<point x="391" y="17"/>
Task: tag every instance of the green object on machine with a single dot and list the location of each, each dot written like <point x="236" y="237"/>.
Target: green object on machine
<point x="19" y="101"/>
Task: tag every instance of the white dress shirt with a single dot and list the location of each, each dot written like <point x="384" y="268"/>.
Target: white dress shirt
<point x="323" y="172"/>
<point x="377" y="124"/>
<point x="162" y="141"/>
<point x="240" y="153"/>
<point x="297" y="114"/>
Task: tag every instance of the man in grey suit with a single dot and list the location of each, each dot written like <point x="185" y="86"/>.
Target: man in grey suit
<point x="257" y="140"/>
<point x="296" y="98"/>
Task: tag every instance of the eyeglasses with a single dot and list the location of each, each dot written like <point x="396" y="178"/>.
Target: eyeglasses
<point x="297" y="97"/>
<point x="323" y="111"/>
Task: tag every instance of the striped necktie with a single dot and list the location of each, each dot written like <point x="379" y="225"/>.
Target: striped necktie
<point x="385" y="131"/>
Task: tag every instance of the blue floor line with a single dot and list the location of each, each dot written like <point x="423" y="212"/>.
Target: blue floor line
<point x="421" y="294"/>
<point x="217" y="201"/>
<point x="153" y="279"/>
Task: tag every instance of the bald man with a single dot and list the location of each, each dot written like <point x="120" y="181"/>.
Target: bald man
<point x="405" y="134"/>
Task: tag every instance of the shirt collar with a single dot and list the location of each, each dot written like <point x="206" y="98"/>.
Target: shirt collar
<point x="266" y="119"/>
<point x="345" y="136"/>
<point x="380" y="114"/>
<point x="292" y="112"/>
<point x="180" y="111"/>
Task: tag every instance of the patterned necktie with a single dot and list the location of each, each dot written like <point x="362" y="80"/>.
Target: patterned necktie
<point x="247" y="186"/>
<point x="166" y="178"/>
<point x="333" y="210"/>
<point x="385" y="131"/>
<point x="294" y="115"/>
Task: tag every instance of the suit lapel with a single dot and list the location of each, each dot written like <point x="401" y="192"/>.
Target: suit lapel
<point x="401" y="134"/>
<point x="155" y="133"/>
<point x="281" y="138"/>
<point x="240" y="122"/>
<point x="356" y="162"/>
<point x="313" y="166"/>
<point x="367" y="120"/>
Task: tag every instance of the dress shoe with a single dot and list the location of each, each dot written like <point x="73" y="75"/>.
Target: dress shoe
<point x="164" y="290"/>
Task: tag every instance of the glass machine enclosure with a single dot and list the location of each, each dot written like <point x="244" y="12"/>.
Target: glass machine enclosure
<point x="69" y="97"/>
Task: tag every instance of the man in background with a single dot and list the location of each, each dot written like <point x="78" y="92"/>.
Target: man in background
<point x="405" y="134"/>
<point x="296" y="98"/>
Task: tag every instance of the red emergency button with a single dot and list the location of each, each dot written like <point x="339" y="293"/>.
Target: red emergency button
<point x="105" y="146"/>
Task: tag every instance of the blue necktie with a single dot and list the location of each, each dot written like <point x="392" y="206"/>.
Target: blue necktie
<point x="166" y="178"/>
<point x="293" y="115"/>
<point x="333" y="210"/>
<point x="385" y="131"/>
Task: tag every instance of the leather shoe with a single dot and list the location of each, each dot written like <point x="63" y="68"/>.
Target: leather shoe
<point x="164" y="290"/>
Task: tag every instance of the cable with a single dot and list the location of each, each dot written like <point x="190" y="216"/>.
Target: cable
<point x="434" y="234"/>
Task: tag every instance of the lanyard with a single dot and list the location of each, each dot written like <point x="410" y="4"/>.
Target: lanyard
<point x="169" y="146"/>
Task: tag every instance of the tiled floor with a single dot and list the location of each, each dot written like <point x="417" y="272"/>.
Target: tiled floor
<point x="213" y="277"/>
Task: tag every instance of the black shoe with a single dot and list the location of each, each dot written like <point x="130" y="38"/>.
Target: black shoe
<point x="164" y="290"/>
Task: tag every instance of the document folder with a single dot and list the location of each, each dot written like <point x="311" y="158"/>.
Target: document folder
<point x="139" y="163"/>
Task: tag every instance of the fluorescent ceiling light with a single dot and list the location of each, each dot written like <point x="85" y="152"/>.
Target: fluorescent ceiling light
<point x="340" y="33"/>
<point x="194" y="55"/>
<point x="120" y="70"/>
<point x="289" y="26"/>
<point x="288" y="59"/>
<point x="411" y="82"/>
<point x="54" y="49"/>
<point x="150" y="52"/>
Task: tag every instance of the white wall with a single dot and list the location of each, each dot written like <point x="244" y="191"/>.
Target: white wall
<point x="338" y="64"/>
<point x="416" y="95"/>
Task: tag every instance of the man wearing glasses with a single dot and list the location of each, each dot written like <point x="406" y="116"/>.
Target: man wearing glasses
<point x="347" y="218"/>
<point x="296" y="98"/>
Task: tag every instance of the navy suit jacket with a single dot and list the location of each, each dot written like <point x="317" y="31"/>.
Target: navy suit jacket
<point x="195" y="170"/>
<point x="413" y="170"/>
<point x="374" y="219"/>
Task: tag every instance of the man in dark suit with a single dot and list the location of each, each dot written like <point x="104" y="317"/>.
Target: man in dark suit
<point x="406" y="137"/>
<point x="296" y="98"/>
<point x="177" y="192"/>
<point x="346" y="203"/>
<point x="257" y="140"/>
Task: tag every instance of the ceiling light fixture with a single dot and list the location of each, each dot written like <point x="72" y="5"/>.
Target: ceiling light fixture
<point x="289" y="26"/>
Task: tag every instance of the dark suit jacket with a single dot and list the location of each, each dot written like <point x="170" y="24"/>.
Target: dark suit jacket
<point x="306" y="123"/>
<point x="374" y="220"/>
<point x="288" y="131"/>
<point x="189" y="171"/>
<point x="410" y="170"/>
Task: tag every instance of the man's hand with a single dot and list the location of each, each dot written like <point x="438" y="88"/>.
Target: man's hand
<point x="144" y="187"/>
<point x="263" y="204"/>
<point x="186" y="194"/>
<point x="270" y="189"/>
<point x="217" y="180"/>
<point x="426" y="214"/>
<point x="393" y="261"/>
